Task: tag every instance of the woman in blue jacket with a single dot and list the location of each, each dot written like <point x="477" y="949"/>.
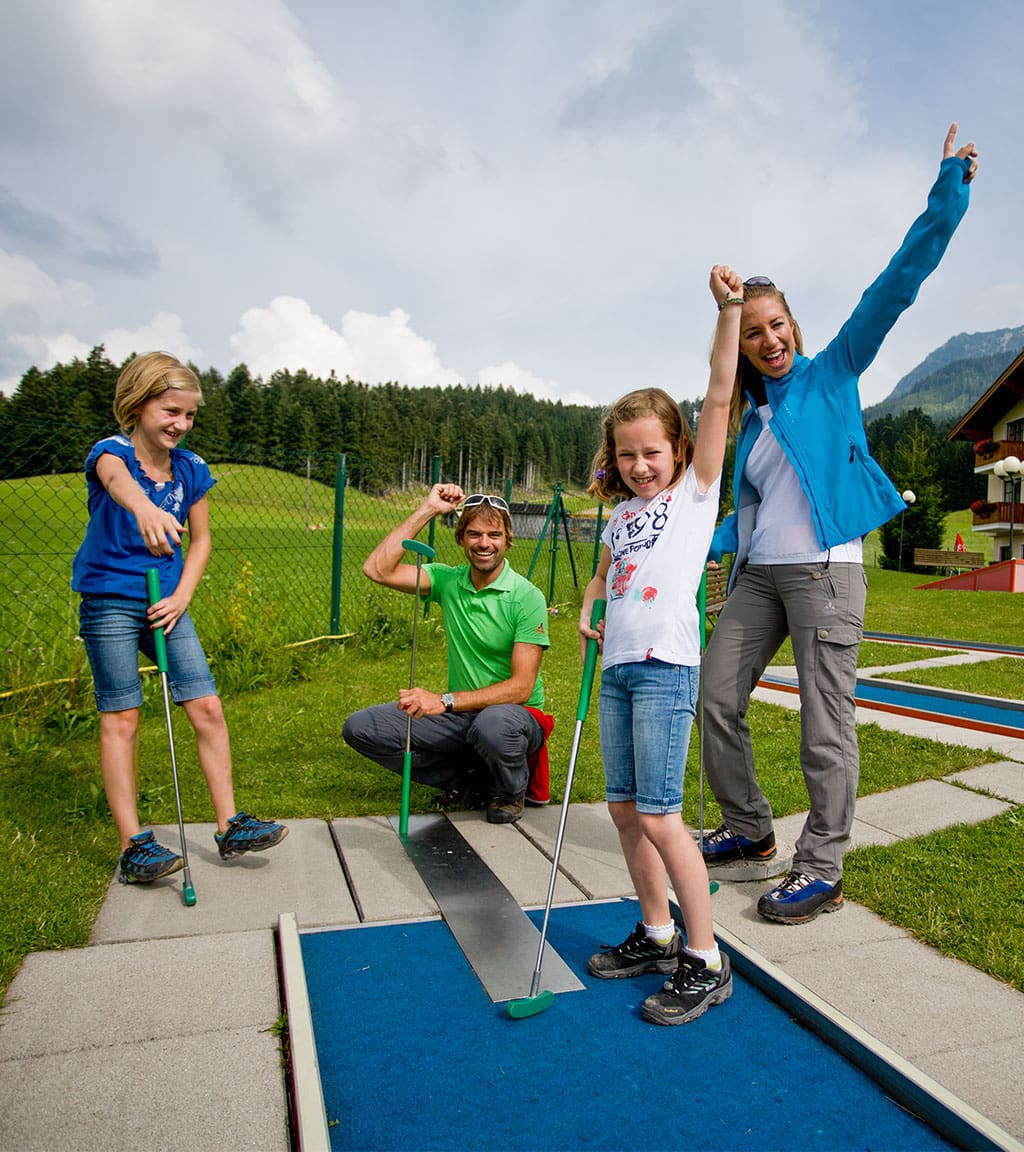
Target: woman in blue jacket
<point x="806" y="491"/>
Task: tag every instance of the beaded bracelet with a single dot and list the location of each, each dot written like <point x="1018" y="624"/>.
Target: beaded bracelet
<point x="731" y="300"/>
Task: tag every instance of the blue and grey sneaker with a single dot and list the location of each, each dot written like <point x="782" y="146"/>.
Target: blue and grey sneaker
<point x="144" y="860"/>
<point x="247" y="834"/>
<point x="725" y="847"/>
<point x="689" y="992"/>
<point x="799" y="898"/>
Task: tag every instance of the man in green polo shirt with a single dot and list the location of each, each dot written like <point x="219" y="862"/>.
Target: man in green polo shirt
<point x="479" y="733"/>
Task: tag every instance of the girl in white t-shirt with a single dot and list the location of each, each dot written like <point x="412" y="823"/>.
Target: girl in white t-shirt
<point x="651" y="564"/>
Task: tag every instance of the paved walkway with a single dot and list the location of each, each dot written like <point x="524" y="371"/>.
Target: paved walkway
<point x="161" y="1033"/>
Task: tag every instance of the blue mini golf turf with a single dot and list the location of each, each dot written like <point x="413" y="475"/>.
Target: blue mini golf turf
<point x="413" y="1055"/>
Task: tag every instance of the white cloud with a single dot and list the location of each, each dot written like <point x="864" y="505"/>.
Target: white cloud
<point x="46" y="321"/>
<point x="374" y="349"/>
<point x="164" y="333"/>
<point x="510" y="375"/>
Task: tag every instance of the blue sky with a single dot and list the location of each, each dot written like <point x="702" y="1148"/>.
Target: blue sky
<point x="498" y="191"/>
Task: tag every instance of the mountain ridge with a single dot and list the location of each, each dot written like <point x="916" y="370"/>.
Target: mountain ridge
<point x="951" y="378"/>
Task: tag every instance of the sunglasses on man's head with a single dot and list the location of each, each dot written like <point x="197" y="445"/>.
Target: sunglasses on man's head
<point x="482" y="498"/>
<point x="758" y="282"/>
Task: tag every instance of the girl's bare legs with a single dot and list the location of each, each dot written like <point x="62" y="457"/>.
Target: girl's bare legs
<point x="118" y="731"/>
<point x="679" y="856"/>
<point x="646" y="869"/>
<point x="213" y="748"/>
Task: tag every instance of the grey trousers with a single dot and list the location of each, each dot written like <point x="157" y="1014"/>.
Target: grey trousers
<point x="446" y="750"/>
<point x="821" y="607"/>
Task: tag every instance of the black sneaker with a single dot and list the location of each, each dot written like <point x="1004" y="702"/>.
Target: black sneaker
<point x="505" y="809"/>
<point x="247" y="834"/>
<point x="723" y="847"/>
<point x="144" y="860"/>
<point x="799" y="898"/>
<point x="636" y="955"/>
<point x="691" y="991"/>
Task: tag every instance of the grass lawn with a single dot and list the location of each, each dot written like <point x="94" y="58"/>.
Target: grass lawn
<point x="958" y="890"/>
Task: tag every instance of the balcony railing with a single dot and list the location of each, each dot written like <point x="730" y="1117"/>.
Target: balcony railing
<point x="999" y="451"/>
<point x="999" y="514"/>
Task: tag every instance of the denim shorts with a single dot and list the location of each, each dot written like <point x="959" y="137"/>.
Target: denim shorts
<point x="646" y="712"/>
<point x="114" y="631"/>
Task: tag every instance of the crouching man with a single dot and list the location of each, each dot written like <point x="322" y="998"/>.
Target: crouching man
<point x="477" y="736"/>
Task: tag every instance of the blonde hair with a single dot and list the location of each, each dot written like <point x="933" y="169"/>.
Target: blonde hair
<point x="747" y="376"/>
<point x="607" y="485"/>
<point x="146" y="376"/>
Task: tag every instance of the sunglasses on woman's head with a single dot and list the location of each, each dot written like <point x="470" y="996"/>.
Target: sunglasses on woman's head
<point x="758" y="282"/>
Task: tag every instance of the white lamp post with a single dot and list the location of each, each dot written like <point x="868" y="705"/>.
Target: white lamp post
<point x="1009" y="468"/>
<point x="908" y="499"/>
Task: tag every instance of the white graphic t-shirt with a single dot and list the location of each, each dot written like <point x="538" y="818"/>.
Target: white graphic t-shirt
<point x="659" y="547"/>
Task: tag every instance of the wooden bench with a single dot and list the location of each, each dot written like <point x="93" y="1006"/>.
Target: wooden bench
<point x="943" y="558"/>
<point x="716" y="583"/>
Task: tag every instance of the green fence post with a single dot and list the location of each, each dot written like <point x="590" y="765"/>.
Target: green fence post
<point x="556" y="504"/>
<point x="597" y="540"/>
<point x="338" y="543"/>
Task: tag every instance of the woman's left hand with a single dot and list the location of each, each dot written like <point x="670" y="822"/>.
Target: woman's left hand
<point x="967" y="152"/>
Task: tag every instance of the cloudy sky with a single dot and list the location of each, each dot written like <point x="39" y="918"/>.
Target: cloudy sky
<point x="527" y="192"/>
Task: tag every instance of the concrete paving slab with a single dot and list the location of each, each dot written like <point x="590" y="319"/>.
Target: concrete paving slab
<point x="1004" y="779"/>
<point x="95" y="1055"/>
<point x="301" y="875"/>
<point x="514" y="859"/>
<point x="927" y="1003"/>
<point x="203" y="1092"/>
<point x="120" y="994"/>
<point x="824" y="941"/>
<point x="985" y="1076"/>
<point x="385" y="879"/>
<point x="591" y="853"/>
<point x="923" y="807"/>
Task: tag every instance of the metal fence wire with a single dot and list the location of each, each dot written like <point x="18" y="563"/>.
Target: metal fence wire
<point x="290" y="534"/>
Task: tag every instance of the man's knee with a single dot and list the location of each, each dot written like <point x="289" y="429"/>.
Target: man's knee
<point x="504" y="732"/>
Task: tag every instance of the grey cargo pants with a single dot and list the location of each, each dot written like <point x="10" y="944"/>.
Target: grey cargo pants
<point x="821" y="607"/>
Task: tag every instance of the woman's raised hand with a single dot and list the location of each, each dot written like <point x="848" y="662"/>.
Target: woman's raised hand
<point x="967" y="152"/>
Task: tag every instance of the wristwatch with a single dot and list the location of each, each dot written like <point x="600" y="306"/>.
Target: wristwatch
<point x="448" y="700"/>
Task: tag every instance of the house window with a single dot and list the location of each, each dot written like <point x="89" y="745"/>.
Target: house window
<point x="1015" y="430"/>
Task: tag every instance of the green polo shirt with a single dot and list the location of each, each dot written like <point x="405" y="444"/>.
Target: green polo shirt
<point x="481" y="627"/>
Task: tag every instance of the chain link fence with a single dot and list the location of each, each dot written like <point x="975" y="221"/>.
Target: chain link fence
<point x="290" y="534"/>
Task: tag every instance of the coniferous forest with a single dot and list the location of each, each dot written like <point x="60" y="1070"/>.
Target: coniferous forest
<point x="390" y="434"/>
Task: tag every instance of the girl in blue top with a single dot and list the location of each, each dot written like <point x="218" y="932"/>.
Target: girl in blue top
<point x="806" y="491"/>
<point x="144" y="493"/>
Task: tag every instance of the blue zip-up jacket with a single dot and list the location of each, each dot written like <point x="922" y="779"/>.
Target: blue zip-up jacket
<point x="816" y="413"/>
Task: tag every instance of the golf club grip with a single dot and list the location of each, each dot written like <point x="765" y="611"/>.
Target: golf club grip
<point x="153" y="589"/>
<point x="590" y="662"/>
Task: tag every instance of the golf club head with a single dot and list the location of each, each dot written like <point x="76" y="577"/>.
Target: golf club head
<point x="416" y="546"/>
<point x="530" y="1005"/>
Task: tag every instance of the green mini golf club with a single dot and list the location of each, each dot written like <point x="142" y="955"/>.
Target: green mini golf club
<point x="153" y="588"/>
<point x="539" y="1001"/>
<point x="421" y="550"/>
<point x="702" y="612"/>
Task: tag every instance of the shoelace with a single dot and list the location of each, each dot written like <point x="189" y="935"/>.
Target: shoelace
<point x="689" y="977"/>
<point x="794" y="882"/>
